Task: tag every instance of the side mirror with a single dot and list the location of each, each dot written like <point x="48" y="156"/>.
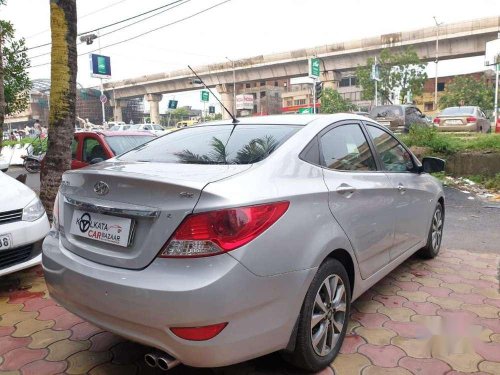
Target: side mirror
<point x="96" y="160"/>
<point x="432" y="165"/>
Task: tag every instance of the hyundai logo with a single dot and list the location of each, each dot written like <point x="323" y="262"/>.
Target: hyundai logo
<point x="101" y="188"/>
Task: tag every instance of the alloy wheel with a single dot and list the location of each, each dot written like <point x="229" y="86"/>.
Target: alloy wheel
<point x="328" y="315"/>
<point x="437" y="229"/>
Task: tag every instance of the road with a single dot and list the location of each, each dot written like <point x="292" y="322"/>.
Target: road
<point x="471" y="224"/>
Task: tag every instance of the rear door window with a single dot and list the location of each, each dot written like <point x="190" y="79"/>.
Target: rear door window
<point x="92" y="149"/>
<point x="345" y="148"/>
<point x="216" y="144"/>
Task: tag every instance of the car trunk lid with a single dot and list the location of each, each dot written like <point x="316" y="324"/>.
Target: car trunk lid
<point x="135" y="207"/>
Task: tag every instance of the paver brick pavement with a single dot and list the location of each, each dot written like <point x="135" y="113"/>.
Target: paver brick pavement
<point x="433" y="317"/>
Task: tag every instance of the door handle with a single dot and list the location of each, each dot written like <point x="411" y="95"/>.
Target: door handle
<point x="401" y="188"/>
<point x="345" y="189"/>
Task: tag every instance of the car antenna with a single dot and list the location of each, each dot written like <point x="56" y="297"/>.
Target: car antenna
<point x="235" y="120"/>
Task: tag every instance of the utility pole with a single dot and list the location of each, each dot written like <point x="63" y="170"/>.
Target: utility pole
<point x="497" y="66"/>
<point x="234" y="86"/>
<point x="436" y="61"/>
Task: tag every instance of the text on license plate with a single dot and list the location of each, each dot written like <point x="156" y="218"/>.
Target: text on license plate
<point x="105" y="228"/>
<point x="5" y="242"/>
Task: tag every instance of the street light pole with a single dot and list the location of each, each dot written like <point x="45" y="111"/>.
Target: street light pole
<point x="234" y="87"/>
<point x="436" y="61"/>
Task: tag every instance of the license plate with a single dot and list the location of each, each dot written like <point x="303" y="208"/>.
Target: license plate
<point x="454" y="122"/>
<point x="104" y="228"/>
<point x="5" y="242"/>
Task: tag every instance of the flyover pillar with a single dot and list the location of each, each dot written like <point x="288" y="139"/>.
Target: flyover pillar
<point x="154" y="107"/>
<point x="330" y="79"/>
<point x="117" y="106"/>
<point x="227" y="98"/>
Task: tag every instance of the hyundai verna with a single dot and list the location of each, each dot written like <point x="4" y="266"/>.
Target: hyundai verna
<point x="223" y="242"/>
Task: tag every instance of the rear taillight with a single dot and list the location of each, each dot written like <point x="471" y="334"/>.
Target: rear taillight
<point x="471" y="119"/>
<point x="437" y="120"/>
<point x="216" y="232"/>
<point x="198" y="333"/>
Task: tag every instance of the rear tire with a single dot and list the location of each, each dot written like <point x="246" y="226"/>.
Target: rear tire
<point x="431" y="249"/>
<point x="323" y="318"/>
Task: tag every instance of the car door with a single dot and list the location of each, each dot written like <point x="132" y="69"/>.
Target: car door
<point x="413" y="209"/>
<point x="77" y="161"/>
<point x="360" y="197"/>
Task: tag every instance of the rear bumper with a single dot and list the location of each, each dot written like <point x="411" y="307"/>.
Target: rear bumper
<point x="143" y="304"/>
<point x="472" y="127"/>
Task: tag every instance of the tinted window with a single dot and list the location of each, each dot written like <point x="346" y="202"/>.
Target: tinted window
<point x="457" y="111"/>
<point x="218" y="144"/>
<point x="92" y="149"/>
<point x="345" y="148"/>
<point x="74" y="146"/>
<point x="158" y="127"/>
<point x="123" y="143"/>
<point x="386" y="111"/>
<point x="394" y="156"/>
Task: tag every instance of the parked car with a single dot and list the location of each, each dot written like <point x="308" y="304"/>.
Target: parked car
<point x="156" y="129"/>
<point x="183" y="124"/>
<point x="223" y="242"/>
<point x="458" y="119"/>
<point x="23" y="226"/>
<point x="399" y="118"/>
<point x="91" y="147"/>
<point x="119" y="127"/>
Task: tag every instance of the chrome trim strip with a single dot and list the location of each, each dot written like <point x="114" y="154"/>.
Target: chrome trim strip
<point x="105" y="209"/>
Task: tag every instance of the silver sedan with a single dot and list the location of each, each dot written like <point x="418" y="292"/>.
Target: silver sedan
<point x="223" y="242"/>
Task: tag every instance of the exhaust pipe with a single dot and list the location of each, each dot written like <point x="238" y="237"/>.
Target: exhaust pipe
<point x="161" y="360"/>
<point x="151" y="359"/>
<point x="167" y="362"/>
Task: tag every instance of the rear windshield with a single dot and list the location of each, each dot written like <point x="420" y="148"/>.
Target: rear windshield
<point x="123" y="143"/>
<point x="217" y="144"/>
<point x="386" y="111"/>
<point x="457" y="111"/>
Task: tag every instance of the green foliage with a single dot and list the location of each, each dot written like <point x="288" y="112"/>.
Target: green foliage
<point x="213" y="117"/>
<point x="333" y="102"/>
<point x="39" y="145"/>
<point x="402" y="71"/>
<point x="442" y="143"/>
<point x="16" y="63"/>
<point x="465" y="90"/>
<point x="487" y="181"/>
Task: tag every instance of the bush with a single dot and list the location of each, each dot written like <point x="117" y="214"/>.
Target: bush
<point x="431" y="138"/>
<point x="446" y="143"/>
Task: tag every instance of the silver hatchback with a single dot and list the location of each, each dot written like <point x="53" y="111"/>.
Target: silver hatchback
<point x="224" y="242"/>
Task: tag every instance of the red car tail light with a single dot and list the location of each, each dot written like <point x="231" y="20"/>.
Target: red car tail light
<point x="437" y="120"/>
<point x="198" y="333"/>
<point x="471" y="119"/>
<point x="216" y="232"/>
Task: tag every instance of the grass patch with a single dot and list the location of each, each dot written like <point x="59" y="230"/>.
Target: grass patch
<point x="447" y="144"/>
<point x="488" y="182"/>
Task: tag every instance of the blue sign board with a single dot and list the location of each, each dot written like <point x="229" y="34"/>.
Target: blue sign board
<point x="100" y="66"/>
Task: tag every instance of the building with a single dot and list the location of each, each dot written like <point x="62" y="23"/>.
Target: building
<point x="297" y="98"/>
<point x="266" y="96"/>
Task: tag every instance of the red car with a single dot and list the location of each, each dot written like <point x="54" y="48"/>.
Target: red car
<point x="91" y="147"/>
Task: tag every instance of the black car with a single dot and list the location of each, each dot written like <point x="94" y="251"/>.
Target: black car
<point x="399" y="118"/>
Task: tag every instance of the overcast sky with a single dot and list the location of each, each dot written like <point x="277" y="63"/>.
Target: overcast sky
<point x="237" y="29"/>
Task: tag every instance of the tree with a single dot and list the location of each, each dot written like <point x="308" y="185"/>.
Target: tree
<point x="333" y="102"/>
<point x="468" y="91"/>
<point x="14" y="80"/>
<point x="62" y="98"/>
<point x="401" y="73"/>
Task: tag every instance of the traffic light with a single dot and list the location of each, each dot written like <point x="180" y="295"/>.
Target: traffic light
<point x="318" y="87"/>
<point x="211" y="109"/>
<point x="172" y="104"/>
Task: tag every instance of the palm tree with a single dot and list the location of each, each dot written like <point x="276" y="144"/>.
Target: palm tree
<point x="62" y="98"/>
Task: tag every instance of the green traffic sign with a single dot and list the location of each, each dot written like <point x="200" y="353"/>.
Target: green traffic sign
<point x="306" y="110"/>
<point x="172" y="104"/>
<point x="205" y="96"/>
<point x="211" y="109"/>
<point x="314" y="67"/>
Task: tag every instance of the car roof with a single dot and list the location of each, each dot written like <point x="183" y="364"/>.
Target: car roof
<point x="108" y="133"/>
<point x="271" y="120"/>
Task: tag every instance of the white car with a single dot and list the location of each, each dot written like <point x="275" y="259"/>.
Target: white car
<point x="23" y="226"/>
<point x="156" y="129"/>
